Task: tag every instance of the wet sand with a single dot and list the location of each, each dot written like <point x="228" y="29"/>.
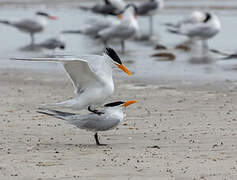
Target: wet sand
<point x="174" y="132"/>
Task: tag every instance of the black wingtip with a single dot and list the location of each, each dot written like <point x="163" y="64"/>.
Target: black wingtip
<point x="113" y="55"/>
<point x="117" y="103"/>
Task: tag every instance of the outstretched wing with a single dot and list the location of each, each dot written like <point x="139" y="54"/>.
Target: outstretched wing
<point x="78" y="71"/>
<point x="81" y="75"/>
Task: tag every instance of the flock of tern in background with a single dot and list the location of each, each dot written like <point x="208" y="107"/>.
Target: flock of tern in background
<point x="91" y="75"/>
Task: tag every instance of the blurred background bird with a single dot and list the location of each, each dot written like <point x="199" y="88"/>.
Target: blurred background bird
<point x="31" y="25"/>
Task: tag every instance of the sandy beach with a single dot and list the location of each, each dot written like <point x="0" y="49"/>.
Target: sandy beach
<point x="183" y="128"/>
<point x="174" y="132"/>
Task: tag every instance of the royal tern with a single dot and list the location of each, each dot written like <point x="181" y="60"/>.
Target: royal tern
<point x="97" y="121"/>
<point x="203" y="30"/>
<point x="94" y="25"/>
<point x="52" y="43"/>
<point x="127" y="28"/>
<point x="150" y="8"/>
<point x="31" y="26"/>
<point x="91" y="77"/>
<point x="108" y="7"/>
<point x="195" y="17"/>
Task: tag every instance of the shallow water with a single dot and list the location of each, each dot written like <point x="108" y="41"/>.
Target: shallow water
<point x="186" y="66"/>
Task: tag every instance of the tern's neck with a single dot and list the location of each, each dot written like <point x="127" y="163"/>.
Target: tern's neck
<point x="107" y="71"/>
<point x="42" y="20"/>
<point x="214" y="21"/>
<point x="116" y="112"/>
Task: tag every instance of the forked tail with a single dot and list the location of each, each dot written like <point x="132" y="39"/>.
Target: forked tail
<point x="71" y="32"/>
<point x="5" y="22"/>
<point x="54" y="113"/>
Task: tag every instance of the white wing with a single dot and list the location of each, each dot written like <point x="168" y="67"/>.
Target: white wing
<point x="78" y="71"/>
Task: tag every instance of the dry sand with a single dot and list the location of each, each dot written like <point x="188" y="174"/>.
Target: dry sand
<point x="174" y="132"/>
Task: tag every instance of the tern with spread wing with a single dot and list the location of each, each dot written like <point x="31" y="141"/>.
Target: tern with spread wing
<point x="91" y="77"/>
<point x="203" y="30"/>
<point x="97" y="121"/>
<point x="127" y="28"/>
<point x="150" y="9"/>
<point x="30" y="26"/>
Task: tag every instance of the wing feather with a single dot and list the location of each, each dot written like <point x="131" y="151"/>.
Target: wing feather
<point x="78" y="70"/>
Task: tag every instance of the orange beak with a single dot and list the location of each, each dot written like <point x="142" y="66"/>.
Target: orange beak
<point x="135" y="16"/>
<point x="127" y="103"/>
<point x="53" y="17"/>
<point x="121" y="66"/>
<point x="120" y="16"/>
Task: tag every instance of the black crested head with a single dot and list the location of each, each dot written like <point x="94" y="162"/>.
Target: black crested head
<point x="113" y="55"/>
<point x="113" y="104"/>
<point x="42" y="14"/>
<point x="208" y="17"/>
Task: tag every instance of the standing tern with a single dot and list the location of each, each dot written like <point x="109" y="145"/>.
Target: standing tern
<point x="127" y="28"/>
<point x="31" y="26"/>
<point x="108" y="7"/>
<point x="203" y="30"/>
<point x="150" y="8"/>
<point x="92" y="80"/>
<point x="97" y="121"/>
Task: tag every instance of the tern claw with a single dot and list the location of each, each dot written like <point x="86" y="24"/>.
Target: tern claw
<point x="95" y="111"/>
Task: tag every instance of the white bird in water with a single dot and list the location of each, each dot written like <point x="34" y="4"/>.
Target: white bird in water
<point x="97" y="121"/>
<point x="108" y="7"/>
<point x="150" y="8"/>
<point x="203" y="30"/>
<point x="127" y="28"/>
<point x="91" y="77"/>
<point x="30" y="26"/>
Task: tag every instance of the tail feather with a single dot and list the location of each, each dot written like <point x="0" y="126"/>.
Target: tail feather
<point x="175" y="31"/>
<point x="50" y="114"/>
<point x="85" y="8"/>
<point x="54" y="113"/>
<point x="170" y="25"/>
<point x="72" y="32"/>
<point x="60" y="113"/>
<point x="5" y="22"/>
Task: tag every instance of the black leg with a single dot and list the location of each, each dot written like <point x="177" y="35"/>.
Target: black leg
<point x="94" y="111"/>
<point x="32" y="38"/>
<point x="97" y="140"/>
<point x="123" y="46"/>
<point x="151" y="25"/>
<point x="105" y="43"/>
